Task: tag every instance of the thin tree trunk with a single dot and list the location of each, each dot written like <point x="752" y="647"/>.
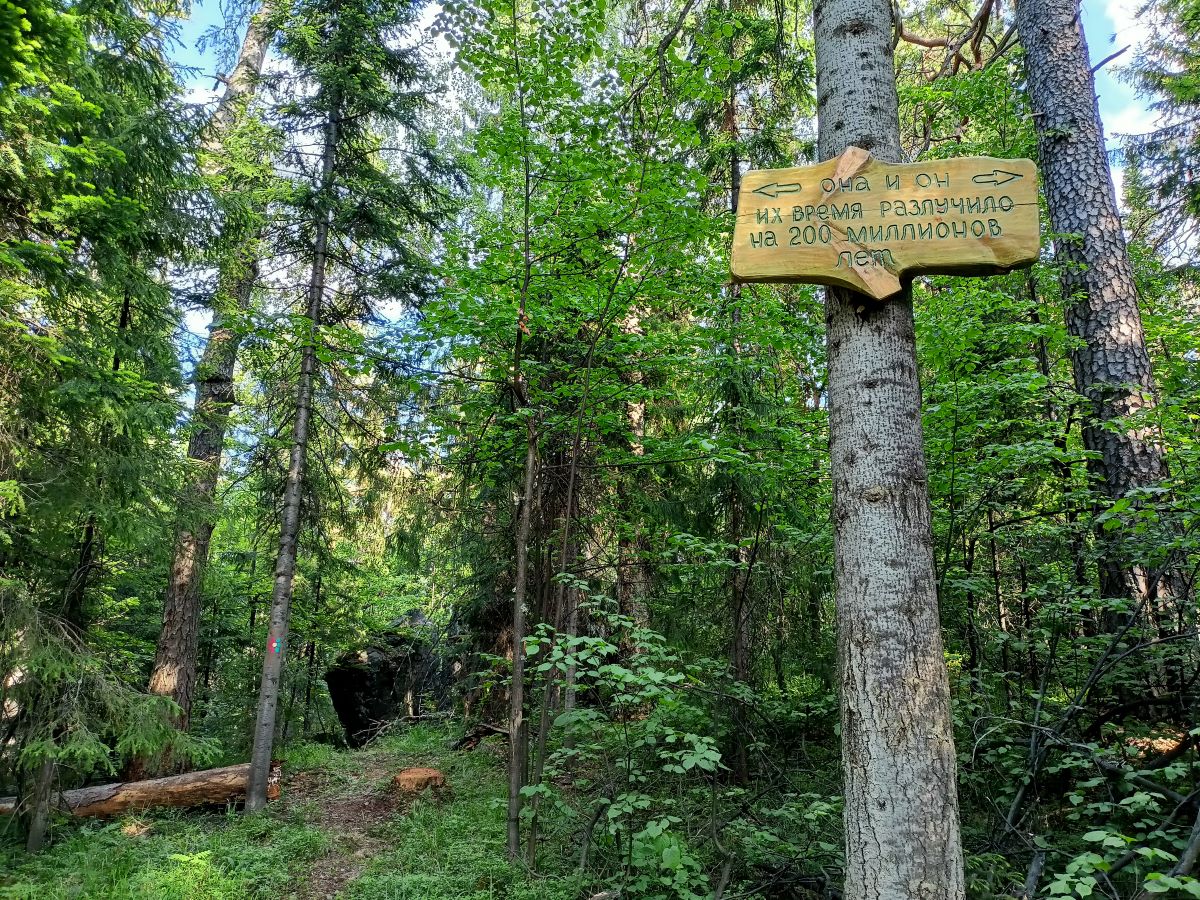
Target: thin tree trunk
<point x="310" y="653"/>
<point x="632" y="571"/>
<point x="74" y="615"/>
<point x="901" y="803"/>
<point x="518" y="728"/>
<point x="75" y="594"/>
<point x="289" y="530"/>
<point x="738" y="582"/>
<point x="174" y="672"/>
<point x="1112" y="366"/>
<point x="518" y="736"/>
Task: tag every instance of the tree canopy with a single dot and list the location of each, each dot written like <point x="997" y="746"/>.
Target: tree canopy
<point x="420" y="343"/>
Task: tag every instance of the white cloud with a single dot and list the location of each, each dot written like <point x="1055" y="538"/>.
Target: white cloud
<point x="198" y="95"/>
<point x="1127" y="26"/>
<point x="1128" y="117"/>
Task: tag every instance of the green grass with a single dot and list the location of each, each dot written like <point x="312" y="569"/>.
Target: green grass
<point x="178" y="856"/>
<point x="453" y="850"/>
<point x="456" y="850"/>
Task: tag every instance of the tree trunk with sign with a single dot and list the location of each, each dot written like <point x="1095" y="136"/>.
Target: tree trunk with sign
<point x="901" y="804"/>
<point x="1112" y="366"/>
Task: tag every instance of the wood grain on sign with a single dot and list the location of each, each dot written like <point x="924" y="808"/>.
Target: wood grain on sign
<point x="859" y="223"/>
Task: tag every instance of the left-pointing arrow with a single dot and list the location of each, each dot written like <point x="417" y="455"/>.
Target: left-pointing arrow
<point x="774" y="189"/>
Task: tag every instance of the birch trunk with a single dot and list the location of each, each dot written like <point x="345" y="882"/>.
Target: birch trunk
<point x="901" y="803"/>
<point x="174" y="672"/>
<point x="289" y="530"/>
<point x="1112" y="366"/>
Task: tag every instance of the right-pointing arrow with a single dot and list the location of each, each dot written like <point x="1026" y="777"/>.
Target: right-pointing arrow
<point x="996" y="177"/>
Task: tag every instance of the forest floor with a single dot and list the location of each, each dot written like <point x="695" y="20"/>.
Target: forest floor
<point x="339" y="830"/>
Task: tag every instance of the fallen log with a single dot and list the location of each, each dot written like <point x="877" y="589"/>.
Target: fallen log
<point x="475" y="735"/>
<point x="204" y="788"/>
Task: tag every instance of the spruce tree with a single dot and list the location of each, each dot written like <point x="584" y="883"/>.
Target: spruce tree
<point x="353" y="106"/>
<point x="93" y="180"/>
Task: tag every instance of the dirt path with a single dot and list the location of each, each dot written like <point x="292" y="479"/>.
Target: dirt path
<point x="351" y="807"/>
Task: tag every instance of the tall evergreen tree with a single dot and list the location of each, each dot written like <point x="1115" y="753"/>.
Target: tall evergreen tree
<point x="1166" y="71"/>
<point x="354" y="100"/>
<point x="93" y="157"/>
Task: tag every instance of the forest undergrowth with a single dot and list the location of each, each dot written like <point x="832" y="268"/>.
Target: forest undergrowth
<point x="339" y="829"/>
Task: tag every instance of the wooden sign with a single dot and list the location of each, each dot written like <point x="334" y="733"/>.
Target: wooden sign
<point x="859" y="223"/>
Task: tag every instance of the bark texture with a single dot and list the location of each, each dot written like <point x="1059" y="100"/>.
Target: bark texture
<point x="1112" y="369"/>
<point x="902" y="833"/>
<point x="174" y="672"/>
<point x="211" y="786"/>
<point x="518" y="728"/>
<point x="39" y="806"/>
<point x="289" y="528"/>
<point x="1112" y="366"/>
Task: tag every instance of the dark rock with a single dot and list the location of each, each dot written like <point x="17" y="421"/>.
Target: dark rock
<point x="401" y="671"/>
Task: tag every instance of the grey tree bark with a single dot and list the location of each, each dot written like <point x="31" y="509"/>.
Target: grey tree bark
<point x="40" y="806"/>
<point x="289" y="529"/>
<point x="518" y="728"/>
<point x="733" y="417"/>
<point x="174" y="672"/>
<point x="901" y="802"/>
<point x="1112" y="366"/>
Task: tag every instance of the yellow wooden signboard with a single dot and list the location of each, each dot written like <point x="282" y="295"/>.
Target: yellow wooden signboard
<point x="859" y="223"/>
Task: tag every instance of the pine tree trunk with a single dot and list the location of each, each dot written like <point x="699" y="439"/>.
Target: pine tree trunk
<point x="174" y="672"/>
<point x="289" y="529"/>
<point x="1112" y="366"/>
<point x="901" y="803"/>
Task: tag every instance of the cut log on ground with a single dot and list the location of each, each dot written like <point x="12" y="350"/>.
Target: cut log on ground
<point x="205" y="788"/>
<point x="413" y="781"/>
